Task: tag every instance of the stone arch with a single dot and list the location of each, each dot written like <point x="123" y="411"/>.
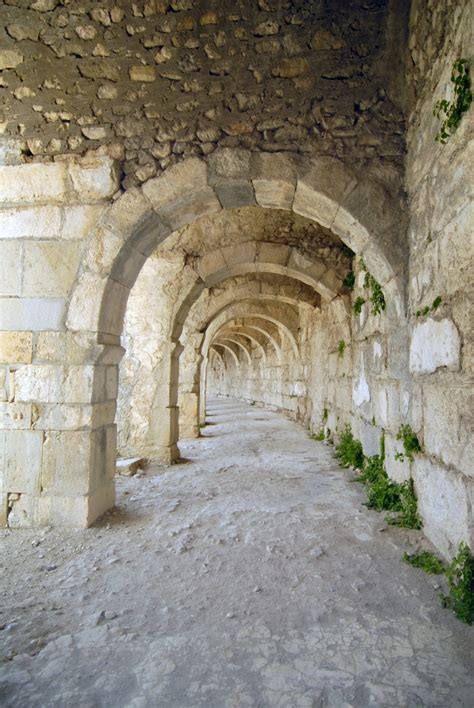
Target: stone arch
<point x="355" y="207"/>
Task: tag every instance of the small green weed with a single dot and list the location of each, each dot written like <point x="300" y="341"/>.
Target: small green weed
<point x="377" y="297"/>
<point x="349" y="280"/>
<point x="426" y="561"/>
<point x="341" y="347"/>
<point x="453" y="110"/>
<point x="318" y="436"/>
<point x="436" y="303"/>
<point x="408" y="516"/>
<point x="325" y="415"/>
<point x="202" y="425"/>
<point x="411" y="444"/>
<point x="357" y="305"/>
<point x="460" y="575"/>
<point x="349" y="450"/>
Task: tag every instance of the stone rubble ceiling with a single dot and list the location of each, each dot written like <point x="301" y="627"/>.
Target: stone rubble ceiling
<point x="152" y="81"/>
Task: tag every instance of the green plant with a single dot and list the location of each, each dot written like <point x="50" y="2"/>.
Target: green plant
<point x="436" y="302"/>
<point x="349" y="280"/>
<point x="252" y="403"/>
<point x="357" y="305"/>
<point x="341" y="346"/>
<point x="318" y="436"/>
<point x="453" y="110"/>
<point x="460" y="575"/>
<point x="426" y="561"/>
<point x="410" y="441"/>
<point x="349" y="450"/>
<point x="383" y="494"/>
<point x="325" y="415"/>
<point x="377" y="297"/>
<point x="408" y="517"/>
<point x="202" y="425"/>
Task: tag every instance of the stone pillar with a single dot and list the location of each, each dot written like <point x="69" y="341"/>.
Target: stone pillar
<point x="59" y="460"/>
<point x="202" y="390"/>
<point x="57" y="387"/>
<point x="164" y="423"/>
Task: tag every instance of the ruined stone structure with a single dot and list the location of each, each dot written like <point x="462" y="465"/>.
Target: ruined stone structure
<point x="184" y="187"/>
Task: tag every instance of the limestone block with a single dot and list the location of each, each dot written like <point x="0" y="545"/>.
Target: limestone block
<point x="434" y="344"/>
<point x="178" y="184"/>
<point x="229" y="163"/>
<point x="10" y="59"/>
<point x="53" y="416"/>
<point x="210" y="263"/>
<point x="398" y="470"/>
<point x="22" y="511"/>
<point x="114" y="303"/>
<point x="274" y="253"/>
<point x="31" y="222"/>
<point x="94" y="179"/>
<point x="15" y="416"/>
<point x="456" y="253"/>
<point x="16" y="347"/>
<point x="22" y="451"/>
<point x="10" y="268"/>
<point x="274" y="179"/>
<point x="445" y="503"/>
<point x="352" y="232"/>
<point x="79" y="220"/>
<point x="233" y="194"/>
<point x="369" y="435"/>
<point x="127" y="265"/>
<point x="89" y="288"/>
<point x="241" y="253"/>
<point x="35" y="314"/>
<point x="32" y="183"/>
<point x="361" y="389"/>
<point x="322" y="190"/>
<point x="49" y="268"/>
<point x="131" y="212"/>
<point x="182" y="195"/>
<point x="66" y="462"/>
<point x="142" y="73"/>
<point x="447" y="415"/>
<point x="55" y="384"/>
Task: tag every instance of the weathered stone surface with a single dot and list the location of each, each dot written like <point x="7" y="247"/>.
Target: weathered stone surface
<point x="27" y="184"/>
<point x="10" y="58"/>
<point x="145" y="74"/>
<point x="34" y="314"/>
<point x="50" y="268"/>
<point x="94" y="179"/>
<point x="434" y="344"/>
<point x="444" y="499"/>
<point x="16" y="347"/>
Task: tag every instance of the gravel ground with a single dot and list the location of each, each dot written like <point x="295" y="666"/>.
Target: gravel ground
<point x="251" y="574"/>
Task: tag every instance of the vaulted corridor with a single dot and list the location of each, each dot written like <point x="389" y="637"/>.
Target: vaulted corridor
<point x="251" y="574"/>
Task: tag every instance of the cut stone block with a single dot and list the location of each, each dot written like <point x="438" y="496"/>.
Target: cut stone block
<point x="434" y="344"/>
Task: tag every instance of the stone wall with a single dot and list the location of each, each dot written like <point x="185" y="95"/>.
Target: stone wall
<point x="439" y="180"/>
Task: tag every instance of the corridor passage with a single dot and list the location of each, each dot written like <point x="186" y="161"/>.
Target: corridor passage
<point x="250" y="574"/>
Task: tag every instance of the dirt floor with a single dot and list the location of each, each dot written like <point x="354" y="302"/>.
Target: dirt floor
<point x="251" y="574"/>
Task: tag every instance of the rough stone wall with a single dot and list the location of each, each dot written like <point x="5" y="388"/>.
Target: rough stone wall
<point x="152" y="81"/>
<point x="439" y="180"/>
